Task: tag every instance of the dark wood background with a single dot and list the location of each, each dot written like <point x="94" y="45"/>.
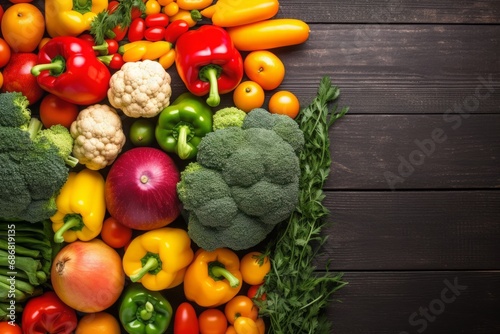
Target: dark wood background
<point x="414" y="192"/>
<point x="422" y="79"/>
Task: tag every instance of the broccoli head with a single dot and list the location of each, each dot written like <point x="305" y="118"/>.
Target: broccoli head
<point x="59" y="137"/>
<point x="229" y="116"/>
<point x="14" y="111"/>
<point x="33" y="171"/>
<point x="245" y="181"/>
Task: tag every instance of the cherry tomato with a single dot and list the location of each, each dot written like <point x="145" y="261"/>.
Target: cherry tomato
<point x="54" y="110"/>
<point x="7" y="328"/>
<point x="1" y="12"/>
<point x="114" y="234"/>
<point x="240" y="306"/>
<point x="254" y="268"/>
<point x="136" y="29"/>
<point x="171" y="9"/>
<point x="265" y="68"/>
<point x="154" y="34"/>
<point x="119" y="32"/>
<point x="112" y="45"/>
<point x="98" y="323"/>
<point x="5" y="53"/>
<point x="157" y="20"/>
<point x="116" y="61"/>
<point x="246" y="325"/>
<point x="248" y="95"/>
<point x="152" y="7"/>
<point x="142" y="132"/>
<point x="252" y="292"/>
<point x="185" y="321"/>
<point x="175" y="29"/>
<point x="112" y="6"/>
<point x="135" y="13"/>
<point x="212" y="321"/>
<point x="23" y="26"/>
<point x="285" y="103"/>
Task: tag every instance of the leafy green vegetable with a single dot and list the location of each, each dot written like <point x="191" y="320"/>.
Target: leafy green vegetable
<point x="296" y="294"/>
<point x="229" y="116"/>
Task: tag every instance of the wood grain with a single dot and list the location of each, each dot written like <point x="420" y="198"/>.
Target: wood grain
<point x="393" y="11"/>
<point x="415" y="152"/>
<point x="383" y="302"/>
<point x="412" y="230"/>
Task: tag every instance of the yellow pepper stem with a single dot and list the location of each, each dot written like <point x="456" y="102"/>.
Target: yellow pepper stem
<point x="71" y="222"/>
<point x="151" y="263"/>
<point x="217" y="271"/>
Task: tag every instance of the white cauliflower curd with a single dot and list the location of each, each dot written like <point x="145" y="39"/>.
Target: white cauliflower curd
<point x="140" y="89"/>
<point x="98" y="135"/>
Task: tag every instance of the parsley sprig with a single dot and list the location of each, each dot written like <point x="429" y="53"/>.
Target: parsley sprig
<point x="296" y="294"/>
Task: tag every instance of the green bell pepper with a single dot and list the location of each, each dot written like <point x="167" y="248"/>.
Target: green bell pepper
<point x="183" y="124"/>
<point x="144" y="311"/>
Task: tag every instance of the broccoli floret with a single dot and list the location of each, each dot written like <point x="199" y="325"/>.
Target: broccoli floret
<point x="285" y="126"/>
<point x="229" y="116"/>
<point x="243" y="233"/>
<point x="60" y="137"/>
<point x="32" y="173"/>
<point x="245" y="181"/>
<point x="14" y="111"/>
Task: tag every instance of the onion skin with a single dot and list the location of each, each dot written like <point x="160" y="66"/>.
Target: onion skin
<point x="88" y="275"/>
<point x="141" y="189"/>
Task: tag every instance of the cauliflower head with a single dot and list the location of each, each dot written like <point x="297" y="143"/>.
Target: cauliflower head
<point x="140" y="89"/>
<point x="244" y="182"/>
<point x="98" y="136"/>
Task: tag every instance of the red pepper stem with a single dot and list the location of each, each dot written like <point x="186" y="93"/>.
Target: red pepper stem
<point x="56" y="67"/>
<point x="71" y="221"/>
<point x="151" y="264"/>
<point x="221" y="272"/>
<point x="183" y="149"/>
<point x="211" y="73"/>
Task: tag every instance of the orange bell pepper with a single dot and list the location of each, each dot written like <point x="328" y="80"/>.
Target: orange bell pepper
<point x="213" y="278"/>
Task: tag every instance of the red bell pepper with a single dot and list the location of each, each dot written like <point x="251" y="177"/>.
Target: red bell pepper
<point x="208" y="62"/>
<point x="68" y="68"/>
<point x="47" y="314"/>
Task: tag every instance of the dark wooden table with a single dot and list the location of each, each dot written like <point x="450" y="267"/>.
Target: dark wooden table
<point x="414" y="191"/>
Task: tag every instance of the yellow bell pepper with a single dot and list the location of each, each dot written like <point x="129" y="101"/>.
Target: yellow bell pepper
<point x="158" y="258"/>
<point x="231" y="13"/>
<point x="193" y="4"/>
<point x="81" y="207"/>
<point x="71" y="17"/>
<point x="213" y="278"/>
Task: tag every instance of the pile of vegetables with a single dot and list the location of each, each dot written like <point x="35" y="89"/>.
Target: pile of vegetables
<point x="126" y="206"/>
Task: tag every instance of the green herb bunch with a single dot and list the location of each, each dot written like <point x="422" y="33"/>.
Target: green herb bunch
<point x="296" y="294"/>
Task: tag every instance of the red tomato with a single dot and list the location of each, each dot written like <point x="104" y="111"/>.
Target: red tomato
<point x="112" y="6"/>
<point x="252" y="292"/>
<point x="20" y="1"/>
<point x="212" y="321"/>
<point x="7" y="328"/>
<point x="116" y="61"/>
<point x="1" y="12"/>
<point x="54" y="110"/>
<point x="112" y="46"/>
<point x="175" y="30"/>
<point x="119" y="32"/>
<point x="154" y="34"/>
<point x="157" y="20"/>
<point x="185" y="321"/>
<point x="114" y="234"/>
<point x="4" y="53"/>
<point x="136" y="30"/>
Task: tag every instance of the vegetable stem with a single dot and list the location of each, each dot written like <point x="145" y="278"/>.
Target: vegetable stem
<point x="74" y="222"/>
<point x="183" y="149"/>
<point x="211" y="73"/>
<point x="218" y="272"/>
<point x="150" y="265"/>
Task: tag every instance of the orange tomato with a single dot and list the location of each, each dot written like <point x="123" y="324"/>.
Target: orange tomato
<point x="285" y="103"/>
<point x="152" y="7"/>
<point x="23" y="26"/>
<point x="240" y="306"/>
<point x="7" y="328"/>
<point x="248" y="95"/>
<point x="265" y="68"/>
<point x="54" y="110"/>
<point x="212" y="321"/>
<point x="252" y="271"/>
<point x="43" y="42"/>
<point x="171" y="9"/>
<point x="98" y="323"/>
<point x="4" y="53"/>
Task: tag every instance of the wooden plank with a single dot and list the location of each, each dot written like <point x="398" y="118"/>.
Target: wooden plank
<point x="413" y="230"/>
<point x="415" y="152"/>
<point x="393" y="11"/>
<point x="418" y="302"/>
